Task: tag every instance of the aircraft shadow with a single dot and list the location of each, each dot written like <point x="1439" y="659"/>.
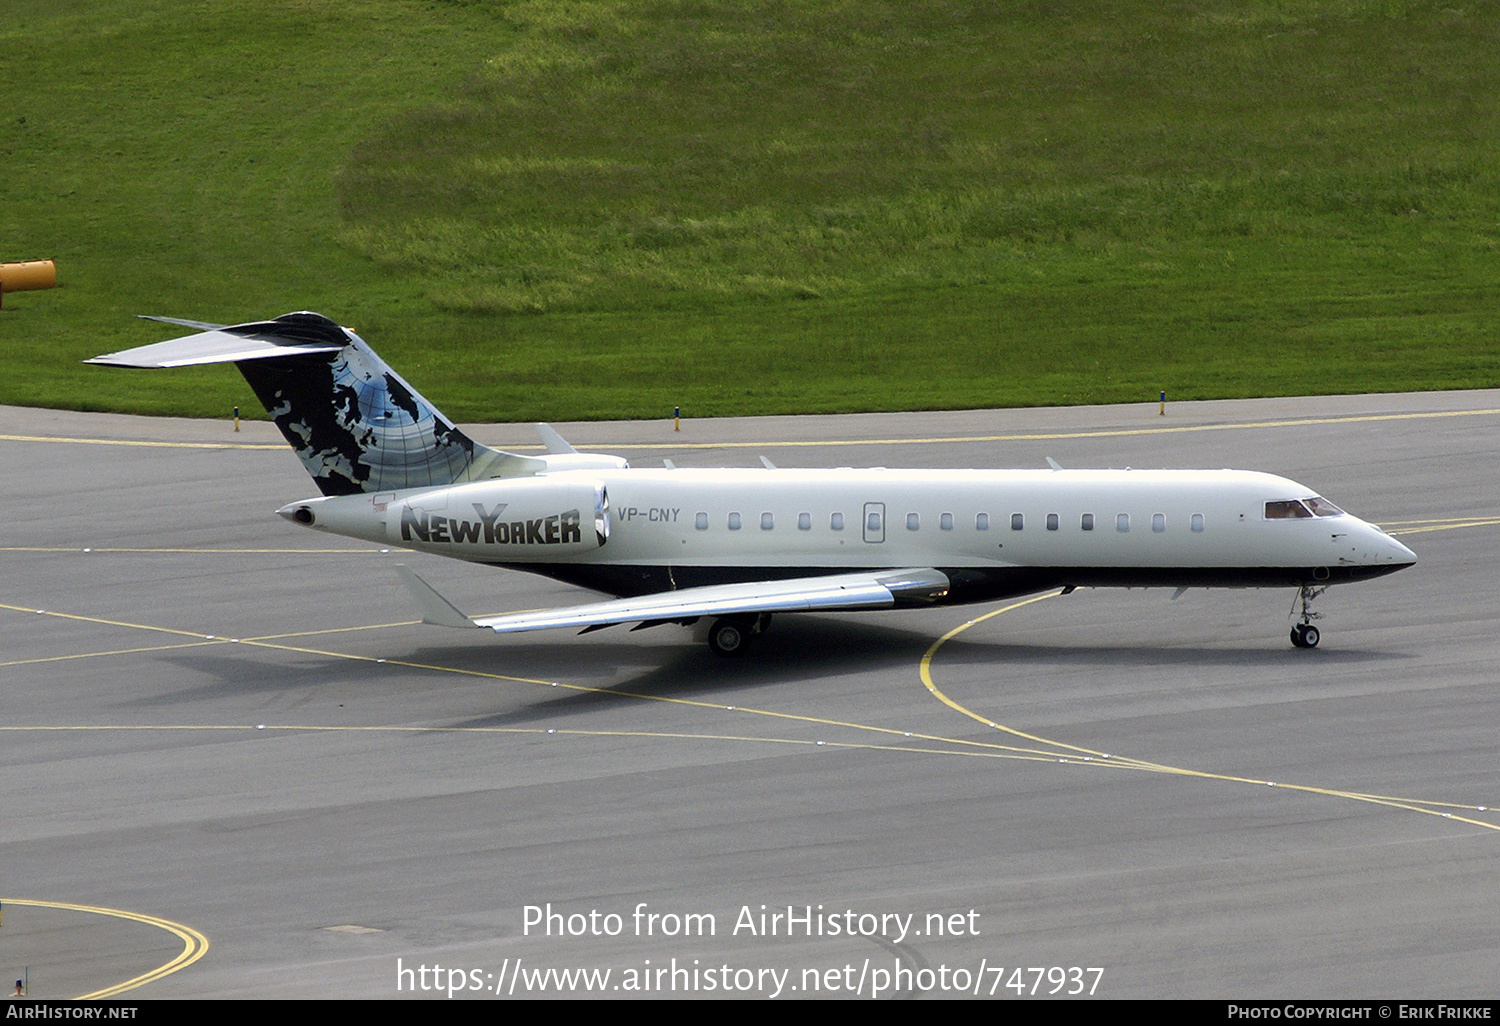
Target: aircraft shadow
<point x="796" y="649"/>
<point x="1274" y="655"/>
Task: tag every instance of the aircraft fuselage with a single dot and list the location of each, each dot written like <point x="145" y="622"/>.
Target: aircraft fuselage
<point x="994" y="533"/>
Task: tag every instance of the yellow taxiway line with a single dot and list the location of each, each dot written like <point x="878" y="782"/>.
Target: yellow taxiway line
<point x="194" y="944"/>
<point x="1021" y="436"/>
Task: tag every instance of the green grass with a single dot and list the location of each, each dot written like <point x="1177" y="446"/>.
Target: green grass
<point x="569" y="210"/>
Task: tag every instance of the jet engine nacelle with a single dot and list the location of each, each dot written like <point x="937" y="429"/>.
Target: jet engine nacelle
<point x="504" y="520"/>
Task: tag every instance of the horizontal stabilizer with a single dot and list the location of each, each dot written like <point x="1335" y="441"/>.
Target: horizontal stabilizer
<point x="257" y="340"/>
<point x="435" y="609"/>
<point x="182" y="322"/>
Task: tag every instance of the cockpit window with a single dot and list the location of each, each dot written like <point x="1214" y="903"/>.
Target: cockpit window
<point x="1286" y="509"/>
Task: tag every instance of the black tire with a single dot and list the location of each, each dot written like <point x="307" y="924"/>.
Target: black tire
<point x="1310" y="636"/>
<point x="728" y="638"/>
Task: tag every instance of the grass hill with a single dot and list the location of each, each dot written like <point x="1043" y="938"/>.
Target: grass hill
<point x="605" y="208"/>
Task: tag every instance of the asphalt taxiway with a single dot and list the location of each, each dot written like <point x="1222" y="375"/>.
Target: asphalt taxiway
<point x="235" y="766"/>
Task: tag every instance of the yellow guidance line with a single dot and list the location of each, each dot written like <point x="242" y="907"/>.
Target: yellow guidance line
<point x="1035" y="436"/>
<point x="926" y="674"/>
<point x="944" y="440"/>
<point x="1423" y="526"/>
<point x="269" y="641"/>
<point x="274" y="642"/>
<point x="195" y="944"/>
<point x="140" y="443"/>
<point x="1076" y="755"/>
<point x="1052" y="751"/>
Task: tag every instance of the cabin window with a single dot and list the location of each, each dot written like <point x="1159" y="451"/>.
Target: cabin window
<point x="1017" y="521"/>
<point x="913" y="521"/>
<point x="1158" y="523"/>
<point x="945" y="521"/>
<point x="1087" y="522"/>
<point x="767" y="521"/>
<point x="804" y="521"/>
<point x="872" y="522"/>
<point x="981" y="521"/>
<point x="1197" y="522"/>
<point x="836" y="522"/>
<point x="734" y="521"/>
<point x="1122" y="523"/>
<point x="701" y="521"/>
<point x="1052" y="522"/>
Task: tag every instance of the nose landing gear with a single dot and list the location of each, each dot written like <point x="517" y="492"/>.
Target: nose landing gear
<point x="1304" y="634"/>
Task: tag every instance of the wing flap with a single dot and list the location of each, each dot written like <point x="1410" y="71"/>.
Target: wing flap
<point x="866" y="590"/>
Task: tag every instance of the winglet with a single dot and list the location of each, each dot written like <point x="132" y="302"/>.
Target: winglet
<point x="555" y="443"/>
<point x="435" y="609"/>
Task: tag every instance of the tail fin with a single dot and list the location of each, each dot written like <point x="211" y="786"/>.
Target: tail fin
<point x="357" y="426"/>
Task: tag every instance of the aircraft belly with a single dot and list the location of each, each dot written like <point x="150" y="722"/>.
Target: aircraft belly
<point x="968" y="583"/>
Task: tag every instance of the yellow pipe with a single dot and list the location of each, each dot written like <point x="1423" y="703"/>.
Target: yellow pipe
<point x="27" y="275"/>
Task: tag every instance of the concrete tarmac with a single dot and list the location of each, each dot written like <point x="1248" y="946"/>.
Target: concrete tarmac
<point x="234" y="765"/>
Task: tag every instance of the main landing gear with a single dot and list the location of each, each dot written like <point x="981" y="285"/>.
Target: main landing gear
<point x="1304" y="634"/>
<point x="730" y="635"/>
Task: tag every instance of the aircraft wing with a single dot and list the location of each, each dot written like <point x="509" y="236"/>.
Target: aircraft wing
<point x="870" y="589"/>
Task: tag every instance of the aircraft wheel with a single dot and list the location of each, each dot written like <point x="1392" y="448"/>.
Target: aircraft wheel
<point x="728" y="637"/>
<point x="1305" y="635"/>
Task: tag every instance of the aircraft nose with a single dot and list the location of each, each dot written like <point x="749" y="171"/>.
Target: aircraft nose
<point x="1398" y="553"/>
<point x="1370" y="552"/>
<point x="1380" y="549"/>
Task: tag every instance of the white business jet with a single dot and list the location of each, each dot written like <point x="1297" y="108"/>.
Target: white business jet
<point x="737" y="546"/>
